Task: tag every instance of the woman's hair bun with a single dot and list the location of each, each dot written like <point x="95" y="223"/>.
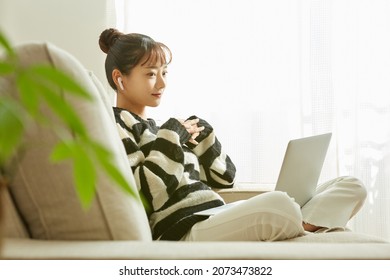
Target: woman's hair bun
<point x="108" y="38"/>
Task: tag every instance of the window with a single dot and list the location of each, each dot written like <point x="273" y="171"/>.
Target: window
<point x="264" y="72"/>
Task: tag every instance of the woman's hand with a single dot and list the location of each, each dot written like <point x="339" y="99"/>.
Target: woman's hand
<point x="192" y="128"/>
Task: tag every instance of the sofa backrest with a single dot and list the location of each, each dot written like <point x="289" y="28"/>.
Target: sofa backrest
<point x="14" y="225"/>
<point x="43" y="193"/>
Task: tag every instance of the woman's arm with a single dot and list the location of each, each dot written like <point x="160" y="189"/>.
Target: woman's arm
<point x="156" y="157"/>
<point x="219" y="170"/>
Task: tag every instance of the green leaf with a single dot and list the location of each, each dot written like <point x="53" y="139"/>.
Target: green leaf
<point x="29" y="95"/>
<point x="101" y="152"/>
<point x="6" y="68"/>
<point x="60" y="79"/>
<point x="33" y="90"/>
<point x="61" y="151"/>
<point x="11" y="128"/>
<point x="84" y="171"/>
<point x="104" y="157"/>
<point x="6" y="45"/>
<point x="84" y="175"/>
<point x="63" y="109"/>
<point x="117" y="177"/>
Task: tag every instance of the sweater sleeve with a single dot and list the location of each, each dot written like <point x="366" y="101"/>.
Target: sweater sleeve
<point x="157" y="159"/>
<point x="218" y="169"/>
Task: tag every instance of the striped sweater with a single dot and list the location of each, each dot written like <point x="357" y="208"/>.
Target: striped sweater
<point x="174" y="175"/>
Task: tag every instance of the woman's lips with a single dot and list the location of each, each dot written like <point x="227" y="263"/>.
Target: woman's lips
<point x="158" y="95"/>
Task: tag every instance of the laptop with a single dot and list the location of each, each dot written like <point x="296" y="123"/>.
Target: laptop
<point x="300" y="171"/>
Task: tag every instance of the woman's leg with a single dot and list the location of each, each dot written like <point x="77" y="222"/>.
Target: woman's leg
<point x="335" y="203"/>
<point x="267" y="217"/>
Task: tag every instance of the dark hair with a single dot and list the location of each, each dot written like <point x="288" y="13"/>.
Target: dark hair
<point x="125" y="51"/>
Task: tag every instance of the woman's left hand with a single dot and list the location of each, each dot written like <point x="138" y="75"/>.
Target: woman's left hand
<point x="192" y="128"/>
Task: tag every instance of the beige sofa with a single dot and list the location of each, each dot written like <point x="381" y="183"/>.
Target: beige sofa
<point x="44" y="219"/>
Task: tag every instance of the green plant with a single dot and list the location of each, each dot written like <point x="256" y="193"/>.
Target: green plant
<point x="37" y="85"/>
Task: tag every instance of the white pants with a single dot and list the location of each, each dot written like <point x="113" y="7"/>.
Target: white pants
<point x="275" y="216"/>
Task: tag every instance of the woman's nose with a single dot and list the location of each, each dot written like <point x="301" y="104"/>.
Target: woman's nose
<point x="160" y="83"/>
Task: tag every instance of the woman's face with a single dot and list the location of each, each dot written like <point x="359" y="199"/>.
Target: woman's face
<point x="144" y="86"/>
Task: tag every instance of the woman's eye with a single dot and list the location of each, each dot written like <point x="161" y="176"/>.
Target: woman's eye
<point x="151" y="74"/>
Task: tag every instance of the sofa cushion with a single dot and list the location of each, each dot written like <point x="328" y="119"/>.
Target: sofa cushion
<point x="337" y="237"/>
<point x="44" y="192"/>
<point x="161" y="250"/>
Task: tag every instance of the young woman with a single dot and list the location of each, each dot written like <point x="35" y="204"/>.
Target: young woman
<point x="177" y="165"/>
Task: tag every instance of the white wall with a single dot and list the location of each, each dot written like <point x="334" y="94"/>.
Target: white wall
<point x="74" y="25"/>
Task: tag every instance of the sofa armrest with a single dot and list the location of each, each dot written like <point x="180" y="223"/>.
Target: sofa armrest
<point x="242" y="191"/>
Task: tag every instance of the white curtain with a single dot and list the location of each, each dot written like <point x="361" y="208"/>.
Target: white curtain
<point x="264" y="72"/>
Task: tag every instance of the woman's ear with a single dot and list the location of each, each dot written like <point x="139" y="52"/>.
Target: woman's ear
<point x="117" y="78"/>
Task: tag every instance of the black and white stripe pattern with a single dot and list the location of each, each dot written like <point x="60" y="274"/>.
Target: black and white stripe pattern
<point x="174" y="176"/>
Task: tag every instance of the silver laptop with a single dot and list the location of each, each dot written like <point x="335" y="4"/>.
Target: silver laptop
<point x="300" y="171"/>
<point x="301" y="167"/>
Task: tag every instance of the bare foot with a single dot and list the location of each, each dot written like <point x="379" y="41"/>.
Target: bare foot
<point x="310" y="227"/>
